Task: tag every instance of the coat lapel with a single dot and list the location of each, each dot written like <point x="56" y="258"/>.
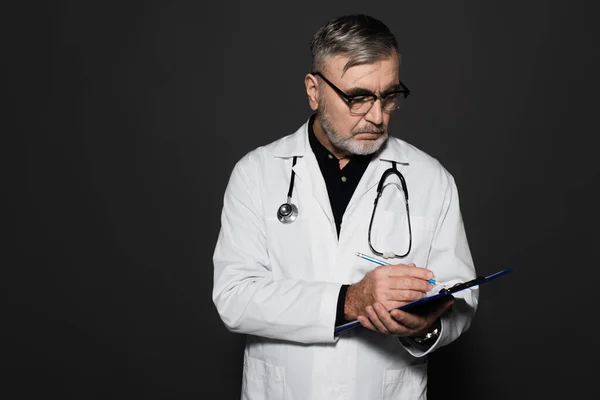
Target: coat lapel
<point x="308" y="173"/>
<point x="310" y="179"/>
<point x="380" y="162"/>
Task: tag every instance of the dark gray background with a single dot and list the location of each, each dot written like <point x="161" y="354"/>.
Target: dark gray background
<point x="124" y="122"/>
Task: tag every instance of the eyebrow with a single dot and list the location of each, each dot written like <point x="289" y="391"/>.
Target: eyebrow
<point x="365" y="92"/>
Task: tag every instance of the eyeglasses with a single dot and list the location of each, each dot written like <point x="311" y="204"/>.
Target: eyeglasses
<point x="360" y="104"/>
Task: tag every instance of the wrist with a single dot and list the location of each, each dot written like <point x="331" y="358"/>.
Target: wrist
<point x="350" y="312"/>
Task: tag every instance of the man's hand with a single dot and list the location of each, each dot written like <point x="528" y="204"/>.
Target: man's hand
<point x="390" y="285"/>
<point x="403" y="323"/>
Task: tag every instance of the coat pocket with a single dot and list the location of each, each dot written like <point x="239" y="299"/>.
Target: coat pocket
<point x="262" y="380"/>
<point x="408" y="383"/>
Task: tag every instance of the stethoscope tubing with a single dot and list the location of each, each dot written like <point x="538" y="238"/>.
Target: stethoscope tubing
<point x="288" y="211"/>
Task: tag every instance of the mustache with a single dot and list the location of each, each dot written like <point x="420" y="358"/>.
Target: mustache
<point x="369" y="129"/>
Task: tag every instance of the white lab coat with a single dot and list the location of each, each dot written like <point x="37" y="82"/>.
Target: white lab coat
<point x="279" y="283"/>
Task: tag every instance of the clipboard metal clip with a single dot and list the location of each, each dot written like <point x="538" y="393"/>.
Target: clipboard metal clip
<point x="460" y="286"/>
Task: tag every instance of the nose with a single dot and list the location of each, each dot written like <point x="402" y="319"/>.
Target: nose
<point x="375" y="114"/>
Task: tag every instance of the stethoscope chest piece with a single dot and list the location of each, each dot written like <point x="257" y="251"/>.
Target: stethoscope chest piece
<point x="287" y="213"/>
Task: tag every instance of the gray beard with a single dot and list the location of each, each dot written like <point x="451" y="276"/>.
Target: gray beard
<point x="349" y="145"/>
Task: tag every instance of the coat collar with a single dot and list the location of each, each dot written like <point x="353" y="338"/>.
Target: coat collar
<point x="308" y="172"/>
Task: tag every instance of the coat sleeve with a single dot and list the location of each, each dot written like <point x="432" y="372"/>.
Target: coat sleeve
<point x="450" y="258"/>
<point x="248" y="299"/>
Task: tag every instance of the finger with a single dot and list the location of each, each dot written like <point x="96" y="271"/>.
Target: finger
<point x="400" y="297"/>
<point x="374" y="318"/>
<point x="388" y="321"/>
<point x="411" y="322"/>
<point x="416" y="321"/>
<point x="409" y="270"/>
<point x="409" y="283"/>
<point x="364" y="321"/>
<point x="368" y="324"/>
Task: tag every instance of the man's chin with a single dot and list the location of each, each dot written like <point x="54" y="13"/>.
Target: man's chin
<point x="369" y="145"/>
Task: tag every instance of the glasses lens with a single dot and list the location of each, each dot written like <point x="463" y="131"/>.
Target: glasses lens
<point x="361" y="104"/>
<point x="392" y="102"/>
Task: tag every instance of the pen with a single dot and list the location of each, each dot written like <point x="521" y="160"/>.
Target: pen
<point x="380" y="262"/>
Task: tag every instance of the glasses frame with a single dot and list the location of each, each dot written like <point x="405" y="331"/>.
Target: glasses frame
<point x="348" y="98"/>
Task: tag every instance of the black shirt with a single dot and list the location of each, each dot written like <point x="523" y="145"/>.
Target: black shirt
<point x="341" y="184"/>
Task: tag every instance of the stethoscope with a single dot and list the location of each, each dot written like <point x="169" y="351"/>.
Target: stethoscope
<point x="288" y="212"/>
<point x="391" y="171"/>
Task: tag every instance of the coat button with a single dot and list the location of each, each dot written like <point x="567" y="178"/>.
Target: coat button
<point x="344" y="179"/>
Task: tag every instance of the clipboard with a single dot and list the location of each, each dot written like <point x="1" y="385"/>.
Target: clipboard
<point x="420" y="305"/>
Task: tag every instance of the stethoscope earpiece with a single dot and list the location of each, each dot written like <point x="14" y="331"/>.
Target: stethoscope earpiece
<point x="287" y="213"/>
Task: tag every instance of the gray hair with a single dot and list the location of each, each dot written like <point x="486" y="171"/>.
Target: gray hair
<point x="361" y="38"/>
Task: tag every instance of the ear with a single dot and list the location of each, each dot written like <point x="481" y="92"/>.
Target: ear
<point x="312" y="90"/>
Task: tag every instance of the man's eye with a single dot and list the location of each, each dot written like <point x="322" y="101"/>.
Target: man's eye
<point x="392" y="96"/>
<point x="361" y="99"/>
